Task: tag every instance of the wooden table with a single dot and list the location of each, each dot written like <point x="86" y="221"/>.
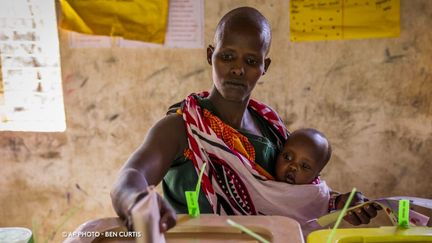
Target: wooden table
<point x="204" y="229"/>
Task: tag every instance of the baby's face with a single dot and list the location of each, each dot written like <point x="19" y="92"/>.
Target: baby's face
<point x="300" y="160"/>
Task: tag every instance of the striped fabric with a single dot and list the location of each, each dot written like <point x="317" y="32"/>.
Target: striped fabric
<point x="232" y="138"/>
<point x="232" y="182"/>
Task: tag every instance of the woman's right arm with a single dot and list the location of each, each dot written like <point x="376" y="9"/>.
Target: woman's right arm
<point x="165" y="141"/>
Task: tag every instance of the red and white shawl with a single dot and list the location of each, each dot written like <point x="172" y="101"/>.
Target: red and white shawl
<point x="231" y="182"/>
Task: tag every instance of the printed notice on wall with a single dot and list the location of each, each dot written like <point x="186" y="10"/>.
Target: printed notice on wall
<point x="313" y="20"/>
<point x="185" y="30"/>
<point x="31" y="90"/>
<point x="1" y="85"/>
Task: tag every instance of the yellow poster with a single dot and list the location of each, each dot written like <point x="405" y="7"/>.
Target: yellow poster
<point x="143" y="20"/>
<point x="313" y="20"/>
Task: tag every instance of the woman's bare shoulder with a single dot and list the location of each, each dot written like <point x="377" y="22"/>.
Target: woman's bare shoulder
<point x="171" y="122"/>
<point x="171" y="129"/>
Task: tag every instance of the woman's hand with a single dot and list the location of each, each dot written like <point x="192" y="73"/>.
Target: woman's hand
<point x="361" y="215"/>
<point x="168" y="215"/>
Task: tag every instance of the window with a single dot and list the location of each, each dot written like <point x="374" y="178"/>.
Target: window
<point x="31" y="95"/>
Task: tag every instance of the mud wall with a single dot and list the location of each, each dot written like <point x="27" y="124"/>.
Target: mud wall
<point x="372" y="98"/>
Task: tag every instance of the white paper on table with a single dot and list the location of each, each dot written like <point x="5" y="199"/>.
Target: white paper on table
<point x="390" y="206"/>
<point x="422" y="202"/>
<point x="146" y="217"/>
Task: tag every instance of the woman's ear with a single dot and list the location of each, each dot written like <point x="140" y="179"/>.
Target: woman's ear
<point x="210" y="50"/>
<point x="267" y="62"/>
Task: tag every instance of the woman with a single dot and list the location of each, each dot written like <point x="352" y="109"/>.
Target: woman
<point x="250" y="131"/>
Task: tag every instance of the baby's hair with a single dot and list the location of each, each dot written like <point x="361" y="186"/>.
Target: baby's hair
<point x="329" y="151"/>
<point x="313" y="131"/>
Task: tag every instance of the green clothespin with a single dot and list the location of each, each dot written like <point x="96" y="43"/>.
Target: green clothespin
<point x="403" y="213"/>
<point x="192" y="196"/>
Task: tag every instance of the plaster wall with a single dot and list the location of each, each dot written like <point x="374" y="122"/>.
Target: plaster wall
<point x="372" y="98"/>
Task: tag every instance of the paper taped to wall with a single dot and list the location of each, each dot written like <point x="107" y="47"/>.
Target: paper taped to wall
<point x="185" y="30"/>
<point x="144" y="20"/>
<point x="312" y="20"/>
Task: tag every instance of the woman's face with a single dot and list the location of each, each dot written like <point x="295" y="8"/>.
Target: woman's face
<point x="238" y="62"/>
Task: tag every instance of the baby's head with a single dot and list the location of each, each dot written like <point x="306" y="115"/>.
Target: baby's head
<point x="303" y="156"/>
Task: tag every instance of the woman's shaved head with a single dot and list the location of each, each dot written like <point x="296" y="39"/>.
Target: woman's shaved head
<point x="244" y="17"/>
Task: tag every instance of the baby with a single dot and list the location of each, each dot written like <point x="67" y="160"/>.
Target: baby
<point x="303" y="156"/>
